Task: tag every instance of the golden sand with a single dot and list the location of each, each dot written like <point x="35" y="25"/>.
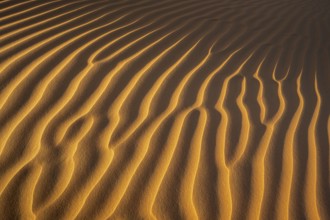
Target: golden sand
<point x="164" y="109"/>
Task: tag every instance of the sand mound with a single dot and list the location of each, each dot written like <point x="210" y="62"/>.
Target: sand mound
<point x="164" y="109"/>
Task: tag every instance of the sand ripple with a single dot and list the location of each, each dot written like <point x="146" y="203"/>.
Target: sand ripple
<point x="164" y="109"/>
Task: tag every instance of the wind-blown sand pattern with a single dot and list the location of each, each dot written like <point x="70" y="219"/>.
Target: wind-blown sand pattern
<point x="165" y="109"/>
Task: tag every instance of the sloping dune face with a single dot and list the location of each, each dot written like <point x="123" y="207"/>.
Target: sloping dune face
<point x="165" y="109"/>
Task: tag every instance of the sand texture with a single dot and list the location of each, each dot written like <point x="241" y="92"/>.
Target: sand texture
<point x="193" y="109"/>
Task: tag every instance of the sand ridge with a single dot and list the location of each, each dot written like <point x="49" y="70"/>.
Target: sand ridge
<point x="164" y="109"/>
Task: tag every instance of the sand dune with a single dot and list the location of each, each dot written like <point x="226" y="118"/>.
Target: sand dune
<point x="164" y="109"/>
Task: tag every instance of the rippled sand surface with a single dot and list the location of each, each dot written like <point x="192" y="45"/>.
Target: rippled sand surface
<point x="165" y="109"/>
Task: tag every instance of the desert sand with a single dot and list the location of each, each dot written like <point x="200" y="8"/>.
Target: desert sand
<point x="165" y="109"/>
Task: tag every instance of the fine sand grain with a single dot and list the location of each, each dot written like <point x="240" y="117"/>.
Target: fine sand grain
<point x="165" y="109"/>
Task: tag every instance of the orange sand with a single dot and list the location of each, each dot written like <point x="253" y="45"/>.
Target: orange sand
<point x="165" y="109"/>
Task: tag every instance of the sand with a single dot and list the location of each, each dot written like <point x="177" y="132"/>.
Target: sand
<point x="165" y="109"/>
